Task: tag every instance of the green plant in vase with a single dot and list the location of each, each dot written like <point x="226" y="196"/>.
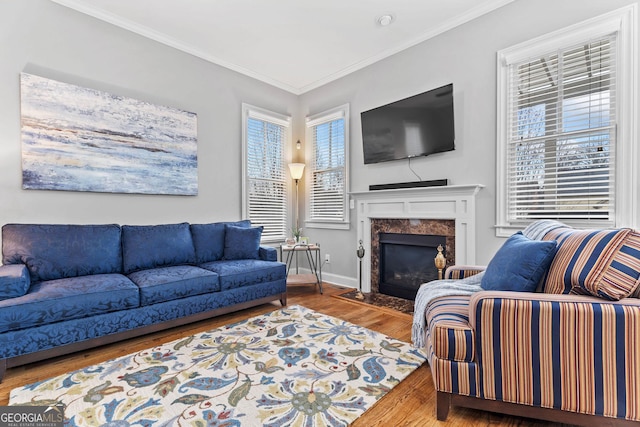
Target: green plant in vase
<point x="297" y="232"/>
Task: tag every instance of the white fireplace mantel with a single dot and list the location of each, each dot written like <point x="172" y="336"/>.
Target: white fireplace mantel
<point x="452" y="202"/>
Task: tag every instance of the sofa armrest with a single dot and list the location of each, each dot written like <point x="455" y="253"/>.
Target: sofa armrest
<point x="14" y="281"/>
<point x="267" y="253"/>
<point x="570" y="352"/>
<point x="462" y="271"/>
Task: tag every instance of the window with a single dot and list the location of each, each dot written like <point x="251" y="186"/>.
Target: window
<point x="561" y="121"/>
<point x="266" y="137"/>
<point x="327" y="174"/>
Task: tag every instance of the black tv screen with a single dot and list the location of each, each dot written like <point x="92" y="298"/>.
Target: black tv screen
<point x="412" y="127"/>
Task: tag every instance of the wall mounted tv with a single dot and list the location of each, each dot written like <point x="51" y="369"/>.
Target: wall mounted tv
<point x="412" y="127"/>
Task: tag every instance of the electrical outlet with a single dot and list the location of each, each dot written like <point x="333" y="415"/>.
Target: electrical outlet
<point x="327" y="258"/>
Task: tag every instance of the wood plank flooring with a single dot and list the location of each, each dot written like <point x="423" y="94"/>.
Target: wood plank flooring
<point x="411" y="403"/>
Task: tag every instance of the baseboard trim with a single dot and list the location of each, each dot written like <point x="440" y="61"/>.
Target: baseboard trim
<point x="335" y="279"/>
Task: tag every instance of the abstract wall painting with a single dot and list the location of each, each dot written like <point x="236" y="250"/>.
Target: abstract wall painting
<point x="80" y="139"/>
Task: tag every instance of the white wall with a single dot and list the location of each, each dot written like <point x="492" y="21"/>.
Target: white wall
<point x="43" y="38"/>
<point x="466" y="57"/>
<point x="46" y="39"/>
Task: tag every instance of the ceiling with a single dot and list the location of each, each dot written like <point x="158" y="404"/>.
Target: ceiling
<point x="296" y="45"/>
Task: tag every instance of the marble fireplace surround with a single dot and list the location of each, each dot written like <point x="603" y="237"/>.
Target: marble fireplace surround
<point x="452" y="202"/>
<point x="435" y="227"/>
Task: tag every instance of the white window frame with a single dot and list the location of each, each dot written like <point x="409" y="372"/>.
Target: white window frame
<point x="250" y="111"/>
<point x="624" y="22"/>
<point x="340" y="112"/>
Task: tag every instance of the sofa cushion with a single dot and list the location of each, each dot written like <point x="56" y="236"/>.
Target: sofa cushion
<point x="70" y="298"/>
<point x="602" y="263"/>
<point x="237" y="273"/>
<point x="208" y="239"/>
<point x="519" y="264"/>
<point x="14" y="281"/>
<point x="18" y="342"/>
<point x="57" y="251"/>
<point x="242" y="242"/>
<point x="152" y="246"/>
<point x="169" y="283"/>
<point x="452" y="337"/>
<point x="627" y="262"/>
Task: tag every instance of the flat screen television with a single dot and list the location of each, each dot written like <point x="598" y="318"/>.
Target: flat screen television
<point x="416" y="126"/>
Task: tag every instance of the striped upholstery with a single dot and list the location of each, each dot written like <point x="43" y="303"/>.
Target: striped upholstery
<point x="451" y="376"/>
<point x="448" y="325"/>
<point x="455" y="377"/>
<point x="575" y="347"/>
<point x="603" y="263"/>
<point x="570" y="352"/>
<point x="458" y="272"/>
<point x="629" y="256"/>
<point x="574" y="353"/>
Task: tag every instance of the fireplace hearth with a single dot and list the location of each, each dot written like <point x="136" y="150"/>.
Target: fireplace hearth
<point x="406" y="262"/>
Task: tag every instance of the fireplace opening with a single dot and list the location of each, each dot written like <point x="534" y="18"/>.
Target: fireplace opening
<point x="406" y="262"/>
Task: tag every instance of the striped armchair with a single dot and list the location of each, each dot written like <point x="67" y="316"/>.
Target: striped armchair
<point x="568" y="353"/>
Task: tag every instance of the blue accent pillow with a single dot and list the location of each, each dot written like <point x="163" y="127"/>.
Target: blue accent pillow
<point x="519" y="264"/>
<point x="241" y="242"/>
<point x="14" y="281"/>
<point x="153" y="246"/>
<point x="208" y="239"/>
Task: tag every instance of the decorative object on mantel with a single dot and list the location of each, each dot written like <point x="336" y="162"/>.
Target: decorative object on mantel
<point x="80" y="139"/>
<point x="360" y="254"/>
<point x="293" y="366"/>
<point x="440" y="261"/>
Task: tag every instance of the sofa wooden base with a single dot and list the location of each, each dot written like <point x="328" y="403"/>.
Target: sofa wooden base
<point x="120" y="336"/>
<point x="445" y="400"/>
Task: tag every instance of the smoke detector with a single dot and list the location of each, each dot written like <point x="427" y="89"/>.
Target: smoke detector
<point x="385" y="20"/>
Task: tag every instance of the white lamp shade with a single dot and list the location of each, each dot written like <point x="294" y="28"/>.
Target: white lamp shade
<point x="296" y="170"/>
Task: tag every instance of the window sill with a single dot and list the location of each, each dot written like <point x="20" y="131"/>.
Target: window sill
<point x="334" y="225"/>
<point x="272" y="241"/>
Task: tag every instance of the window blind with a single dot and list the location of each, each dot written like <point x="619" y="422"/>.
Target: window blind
<point x="266" y="177"/>
<point x="328" y="188"/>
<point x="561" y="144"/>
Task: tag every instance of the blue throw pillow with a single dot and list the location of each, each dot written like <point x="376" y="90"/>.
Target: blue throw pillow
<point x="14" y="281"/>
<point x="208" y="239"/>
<point x="519" y="264"/>
<point x="241" y="242"/>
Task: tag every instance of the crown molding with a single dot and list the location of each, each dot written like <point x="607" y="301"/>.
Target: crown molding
<point x="160" y="37"/>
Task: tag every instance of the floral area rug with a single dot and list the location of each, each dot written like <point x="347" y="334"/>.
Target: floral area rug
<point x="290" y="367"/>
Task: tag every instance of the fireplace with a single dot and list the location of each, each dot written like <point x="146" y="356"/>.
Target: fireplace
<point x="417" y="208"/>
<point x="414" y="232"/>
<point x="406" y="262"/>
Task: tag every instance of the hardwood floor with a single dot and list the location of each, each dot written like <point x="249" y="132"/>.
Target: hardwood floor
<point x="411" y="403"/>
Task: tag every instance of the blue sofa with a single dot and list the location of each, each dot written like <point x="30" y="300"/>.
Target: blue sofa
<point x="65" y="288"/>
